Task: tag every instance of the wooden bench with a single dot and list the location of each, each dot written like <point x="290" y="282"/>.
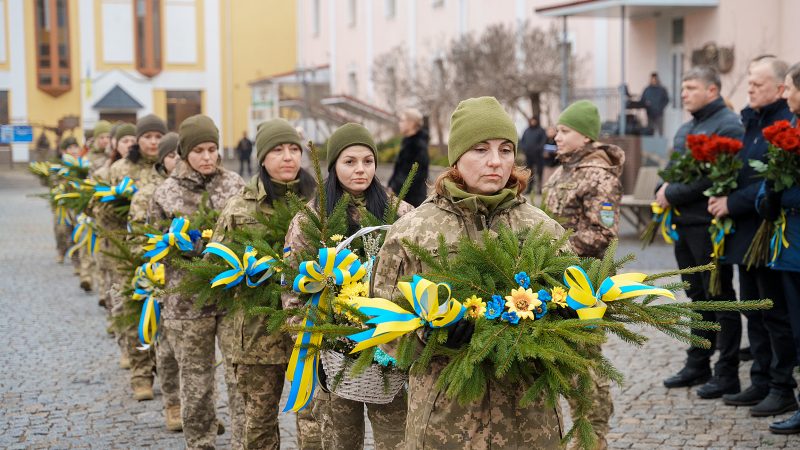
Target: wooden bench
<point x="635" y="208"/>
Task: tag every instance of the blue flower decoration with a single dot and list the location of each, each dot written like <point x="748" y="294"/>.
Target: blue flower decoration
<point x="383" y="358"/>
<point x="494" y="307"/>
<point x="523" y="280"/>
<point x="194" y="235"/>
<point x="544" y="295"/>
<point x="540" y="311"/>
<point x="511" y="317"/>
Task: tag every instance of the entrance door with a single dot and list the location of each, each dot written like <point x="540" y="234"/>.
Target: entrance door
<point x="671" y="68"/>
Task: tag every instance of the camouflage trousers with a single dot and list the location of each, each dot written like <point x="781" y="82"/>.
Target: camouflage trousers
<point x="102" y="274"/>
<point x="495" y="421"/>
<point x="193" y="342"/>
<point x="226" y="334"/>
<point x="127" y="335"/>
<point x="63" y="235"/>
<point x="87" y="267"/>
<point x="260" y="386"/>
<point x="168" y="371"/>
<point x="342" y="422"/>
<point x="602" y="407"/>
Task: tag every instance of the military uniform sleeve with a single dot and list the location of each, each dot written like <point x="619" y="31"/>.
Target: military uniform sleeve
<point x="296" y="242"/>
<point x="600" y="194"/>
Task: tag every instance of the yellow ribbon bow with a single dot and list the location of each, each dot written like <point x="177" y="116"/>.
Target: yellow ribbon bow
<point x="663" y="216"/>
<point x="778" y="240"/>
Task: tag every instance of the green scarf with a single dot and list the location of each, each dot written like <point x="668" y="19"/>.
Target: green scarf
<point x="280" y="188"/>
<point x="473" y="202"/>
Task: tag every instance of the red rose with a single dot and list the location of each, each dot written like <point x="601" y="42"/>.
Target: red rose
<point x="791" y="143"/>
<point x="775" y="129"/>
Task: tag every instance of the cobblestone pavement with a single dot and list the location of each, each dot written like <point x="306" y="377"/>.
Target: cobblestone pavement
<point x="60" y="386"/>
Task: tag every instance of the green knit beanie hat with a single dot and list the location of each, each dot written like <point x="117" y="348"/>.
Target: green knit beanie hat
<point x="68" y="141"/>
<point x="194" y="131"/>
<point x="582" y="116"/>
<point x="348" y="135"/>
<point x="273" y="133"/>
<point x="102" y="127"/>
<point x="167" y="145"/>
<point x="150" y="122"/>
<point x="476" y="120"/>
<point x="125" y="129"/>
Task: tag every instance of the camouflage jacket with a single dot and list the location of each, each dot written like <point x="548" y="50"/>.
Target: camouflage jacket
<point x="253" y="345"/>
<point x="180" y="196"/>
<point x="140" y="202"/>
<point x="97" y="159"/>
<point x="496" y="421"/>
<point x="585" y="192"/>
<point x="142" y="174"/>
<point x="296" y="240"/>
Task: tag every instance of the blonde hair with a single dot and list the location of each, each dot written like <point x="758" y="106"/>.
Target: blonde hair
<point x="413" y="115"/>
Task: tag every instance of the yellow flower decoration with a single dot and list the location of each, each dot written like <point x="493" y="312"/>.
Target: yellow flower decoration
<point x="207" y="234"/>
<point x="476" y="307"/>
<point x="559" y="296"/>
<point x="353" y="290"/>
<point x="523" y="302"/>
<point x="336" y="238"/>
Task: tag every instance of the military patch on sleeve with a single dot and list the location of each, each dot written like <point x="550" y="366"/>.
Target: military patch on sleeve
<point x="607" y="215"/>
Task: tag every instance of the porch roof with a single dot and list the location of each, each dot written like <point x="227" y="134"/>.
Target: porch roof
<point x="612" y="8"/>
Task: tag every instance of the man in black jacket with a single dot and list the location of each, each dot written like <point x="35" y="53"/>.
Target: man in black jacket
<point x="655" y="98"/>
<point x="532" y="145"/>
<point x="413" y="149"/>
<point x="769" y="331"/>
<point x="700" y="94"/>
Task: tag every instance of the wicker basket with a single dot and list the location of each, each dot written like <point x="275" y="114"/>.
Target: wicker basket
<point x="369" y="386"/>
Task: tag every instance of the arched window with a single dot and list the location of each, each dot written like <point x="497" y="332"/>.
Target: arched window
<point x="52" y="46"/>
<point x="147" y="29"/>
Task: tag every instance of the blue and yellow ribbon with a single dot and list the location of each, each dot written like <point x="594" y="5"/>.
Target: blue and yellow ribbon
<point x="254" y="271"/>
<point x="149" y="322"/>
<point x="591" y="304"/>
<point x="719" y="229"/>
<point x="158" y="246"/>
<point x="125" y="188"/>
<point x="146" y="278"/>
<point x="663" y="216"/>
<point x="83" y="235"/>
<point x="778" y="241"/>
<point x="392" y="321"/>
<point x="315" y="277"/>
<point x="70" y="162"/>
<point x="40" y="168"/>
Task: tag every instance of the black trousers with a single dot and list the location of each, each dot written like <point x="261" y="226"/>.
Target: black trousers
<point x="693" y="248"/>
<point x="242" y="163"/>
<point x="769" y="331"/>
<point x="791" y="291"/>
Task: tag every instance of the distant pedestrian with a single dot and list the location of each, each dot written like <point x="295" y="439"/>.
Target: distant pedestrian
<point x="532" y="144"/>
<point x="244" y="149"/>
<point x="413" y="149"/>
<point x="655" y="98"/>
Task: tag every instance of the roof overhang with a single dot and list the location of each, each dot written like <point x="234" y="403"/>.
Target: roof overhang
<point x="317" y="74"/>
<point x="612" y="8"/>
<point x="117" y="99"/>
<point x="356" y="107"/>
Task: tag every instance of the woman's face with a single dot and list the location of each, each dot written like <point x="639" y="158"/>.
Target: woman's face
<point x="355" y="169"/>
<point x="148" y="143"/>
<point x="569" y="140"/>
<point x="792" y="95"/>
<point x="283" y="162"/>
<point x="407" y="126"/>
<point x="487" y="166"/>
<point x="73" y="150"/>
<point x="170" y="161"/>
<point x="124" y="145"/>
<point x="203" y="158"/>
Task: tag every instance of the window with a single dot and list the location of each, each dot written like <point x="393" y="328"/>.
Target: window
<point x="389" y="8"/>
<point x="147" y="29"/>
<point x="677" y="31"/>
<point x="437" y="3"/>
<point x="52" y="46"/>
<point x="4" y="118"/>
<point x="315" y="18"/>
<point x="352" y="83"/>
<point x="351" y="13"/>
<point x="180" y="105"/>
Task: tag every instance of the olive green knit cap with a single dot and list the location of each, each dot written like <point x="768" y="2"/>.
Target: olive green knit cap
<point x="101" y="127"/>
<point x="582" y="116"/>
<point x="348" y="135"/>
<point x="68" y="141"/>
<point x="150" y="122"/>
<point x="167" y="145"/>
<point x="194" y="131"/>
<point x="125" y="129"/>
<point x="476" y="120"/>
<point x="273" y="133"/>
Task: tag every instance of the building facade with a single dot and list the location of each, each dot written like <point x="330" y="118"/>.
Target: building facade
<point x="86" y="60"/>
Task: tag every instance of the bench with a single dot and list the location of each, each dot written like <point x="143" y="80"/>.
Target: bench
<point x="635" y="208"/>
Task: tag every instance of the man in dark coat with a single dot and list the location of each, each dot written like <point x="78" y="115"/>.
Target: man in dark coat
<point x="769" y="331"/>
<point x="700" y="94"/>
<point x="655" y="98"/>
<point x="413" y="149"/>
<point x="244" y="149"/>
<point x="532" y="145"/>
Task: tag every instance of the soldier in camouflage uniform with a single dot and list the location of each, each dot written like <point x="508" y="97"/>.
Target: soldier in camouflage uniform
<point x="585" y="192"/>
<point x="352" y="157"/>
<point x="167" y="366"/>
<point x="137" y="165"/>
<point x="481" y="191"/>
<point x="259" y="359"/>
<point x="190" y="332"/>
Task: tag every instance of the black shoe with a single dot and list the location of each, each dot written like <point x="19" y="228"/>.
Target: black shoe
<point x="744" y="354"/>
<point x="86" y="286"/>
<point x="748" y="397"/>
<point x="788" y="426"/>
<point x="717" y="386"/>
<point x="688" y="376"/>
<point x="775" y="403"/>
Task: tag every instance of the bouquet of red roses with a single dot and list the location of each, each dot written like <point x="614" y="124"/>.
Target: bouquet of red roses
<point x="782" y="171"/>
<point x="716" y="157"/>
